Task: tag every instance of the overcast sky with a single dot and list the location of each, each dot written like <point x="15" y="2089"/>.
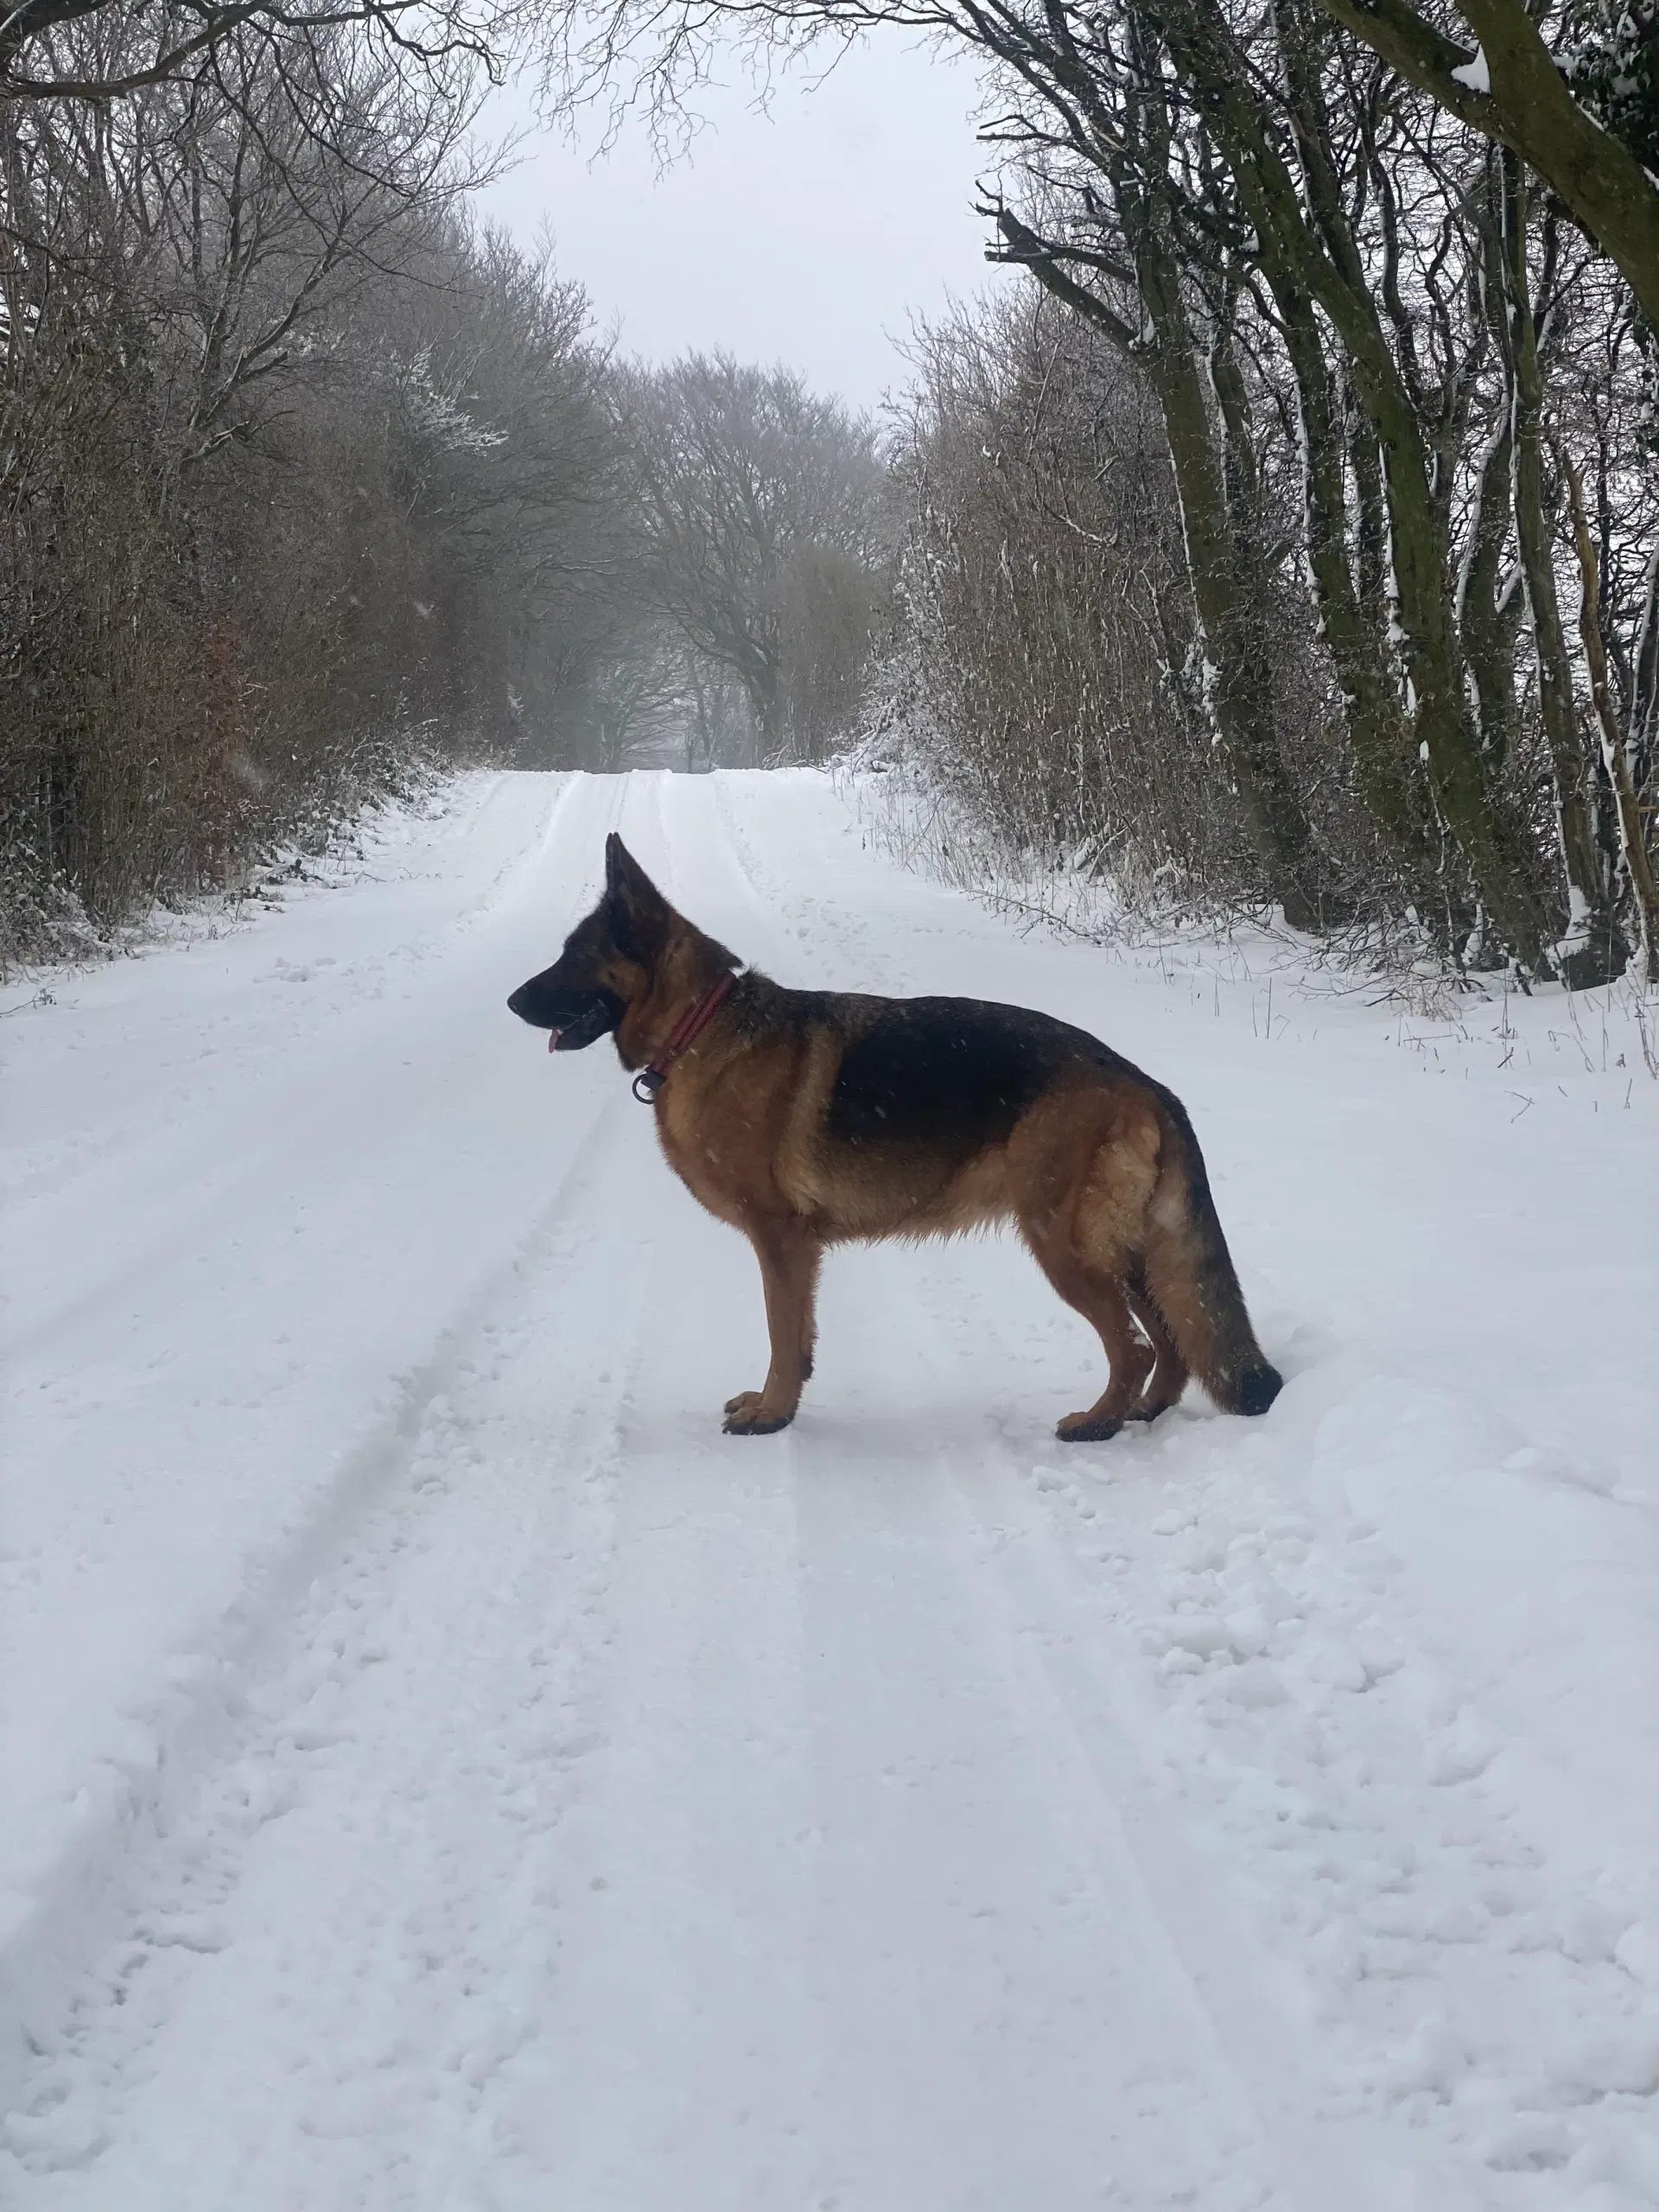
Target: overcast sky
<point x="807" y="233"/>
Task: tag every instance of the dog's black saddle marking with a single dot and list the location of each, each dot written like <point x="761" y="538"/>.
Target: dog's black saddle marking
<point x="949" y="1074"/>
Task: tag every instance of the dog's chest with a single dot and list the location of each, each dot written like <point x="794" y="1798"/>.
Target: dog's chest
<point x="738" y="1128"/>
<point x="710" y="1164"/>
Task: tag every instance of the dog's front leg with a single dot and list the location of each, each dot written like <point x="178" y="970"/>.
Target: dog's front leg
<point x="789" y="1257"/>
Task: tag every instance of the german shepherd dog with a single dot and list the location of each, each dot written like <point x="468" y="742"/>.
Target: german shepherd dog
<point x="811" y="1118"/>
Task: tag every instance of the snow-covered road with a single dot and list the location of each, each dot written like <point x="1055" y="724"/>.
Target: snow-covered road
<point x="441" y="1771"/>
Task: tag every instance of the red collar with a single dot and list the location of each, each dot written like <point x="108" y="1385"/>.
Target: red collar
<point x="649" y="1079"/>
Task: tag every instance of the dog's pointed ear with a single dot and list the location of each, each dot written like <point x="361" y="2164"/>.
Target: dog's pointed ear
<point x="639" y="912"/>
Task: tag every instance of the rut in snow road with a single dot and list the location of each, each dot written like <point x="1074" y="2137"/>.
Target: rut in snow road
<point x="443" y="1772"/>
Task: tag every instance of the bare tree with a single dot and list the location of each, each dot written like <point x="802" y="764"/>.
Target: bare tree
<point x="759" y="509"/>
<point x="100" y="52"/>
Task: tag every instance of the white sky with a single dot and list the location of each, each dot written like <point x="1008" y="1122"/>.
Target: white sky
<point x="807" y="233"/>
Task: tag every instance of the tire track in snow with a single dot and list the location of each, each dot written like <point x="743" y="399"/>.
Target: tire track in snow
<point x="194" y="1729"/>
<point x="172" y="1739"/>
<point x="176" y="1870"/>
<point x="1033" y="2036"/>
<point x="1262" y="2025"/>
<point x="301" y="1921"/>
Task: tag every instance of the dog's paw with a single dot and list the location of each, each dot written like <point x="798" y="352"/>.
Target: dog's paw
<point x="747" y="1416"/>
<point x="1086" y="1428"/>
<point x="1144" y="1412"/>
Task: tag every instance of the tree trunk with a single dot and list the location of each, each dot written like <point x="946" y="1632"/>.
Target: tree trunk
<point x="1377" y="728"/>
<point x="1615" y="751"/>
<point x="1486" y="612"/>
<point x="1484" y="622"/>
<point x="1594" y="948"/>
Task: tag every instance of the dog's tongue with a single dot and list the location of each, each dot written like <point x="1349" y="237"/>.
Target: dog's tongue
<point x="553" y="1040"/>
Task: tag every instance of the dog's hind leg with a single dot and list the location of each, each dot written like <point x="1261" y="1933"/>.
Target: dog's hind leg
<point x="1169" y="1374"/>
<point x="1080" y="1198"/>
<point x="790" y="1256"/>
<point x="1100" y="1299"/>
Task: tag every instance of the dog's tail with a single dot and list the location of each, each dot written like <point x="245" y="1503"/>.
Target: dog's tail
<point x="1189" y="1272"/>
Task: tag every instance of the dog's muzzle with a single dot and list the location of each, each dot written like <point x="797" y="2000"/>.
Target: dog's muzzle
<point x="573" y="1020"/>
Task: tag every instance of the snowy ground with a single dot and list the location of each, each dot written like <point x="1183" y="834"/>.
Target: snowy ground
<point x="442" y="1772"/>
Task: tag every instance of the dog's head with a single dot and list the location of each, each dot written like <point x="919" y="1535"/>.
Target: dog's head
<point x="607" y="960"/>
